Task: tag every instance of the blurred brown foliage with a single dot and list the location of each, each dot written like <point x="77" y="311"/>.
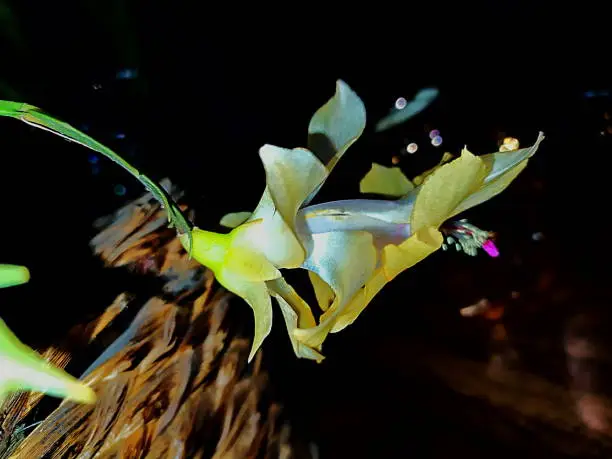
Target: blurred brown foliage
<point x="175" y="383"/>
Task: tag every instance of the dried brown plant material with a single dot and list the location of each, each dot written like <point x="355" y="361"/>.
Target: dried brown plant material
<point x="176" y="383"/>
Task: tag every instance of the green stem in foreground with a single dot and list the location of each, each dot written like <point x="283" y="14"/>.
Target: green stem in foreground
<point x="35" y="117"/>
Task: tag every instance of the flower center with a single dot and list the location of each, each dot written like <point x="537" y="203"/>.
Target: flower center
<point x="468" y="238"/>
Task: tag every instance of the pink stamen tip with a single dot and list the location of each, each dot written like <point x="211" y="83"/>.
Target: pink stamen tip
<point x="490" y="248"/>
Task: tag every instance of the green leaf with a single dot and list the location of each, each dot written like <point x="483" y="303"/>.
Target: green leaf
<point x="35" y="117"/>
<point x="21" y="368"/>
<point x="11" y="275"/>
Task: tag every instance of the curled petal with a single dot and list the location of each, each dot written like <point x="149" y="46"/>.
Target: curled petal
<point x="297" y="314"/>
<point x="388" y="181"/>
<point x="359" y="301"/>
<point x="345" y="261"/>
<point x="502" y="169"/>
<point x="395" y="259"/>
<point x="21" y="368"/>
<point x="244" y="271"/>
<point x="257" y="296"/>
<point x="274" y="237"/>
<point x="323" y="292"/>
<point x="335" y="126"/>
<point x="291" y="176"/>
<point x="242" y="260"/>
<point x="443" y="191"/>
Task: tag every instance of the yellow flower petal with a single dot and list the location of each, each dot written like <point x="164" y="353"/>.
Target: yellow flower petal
<point x="291" y="176"/>
<point x="257" y="296"/>
<point x="244" y="261"/>
<point x="389" y="181"/>
<point x="323" y="292"/>
<point x="395" y="259"/>
<point x="418" y="180"/>
<point x="414" y="249"/>
<point x="359" y="302"/>
<point x="336" y="125"/>
<point x="502" y="169"/>
<point x="250" y="265"/>
<point x="345" y="261"/>
<point x="297" y="314"/>
<point x="443" y="191"/>
<point x="274" y="237"/>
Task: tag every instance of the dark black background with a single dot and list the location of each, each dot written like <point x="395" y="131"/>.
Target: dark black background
<point x="215" y="82"/>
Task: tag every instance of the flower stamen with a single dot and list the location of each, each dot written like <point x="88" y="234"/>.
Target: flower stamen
<point x="468" y="238"/>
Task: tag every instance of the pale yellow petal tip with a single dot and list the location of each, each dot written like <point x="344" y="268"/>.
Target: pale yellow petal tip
<point x="306" y="349"/>
<point x="389" y="181"/>
<point x="252" y="353"/>
<point x="258" y="341"/>
<point x="307" y="352"/>
<point x="466" y="153"/>
<point x="312" y="337"/>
